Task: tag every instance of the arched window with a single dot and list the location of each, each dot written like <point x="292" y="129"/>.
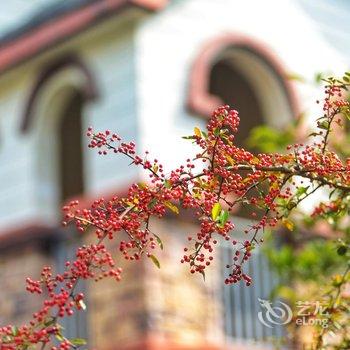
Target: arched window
<point x="54" y="117"/>
<point x="232" y="87"/>
<point x="70" y="148"/>
<point x="239" y="71"/>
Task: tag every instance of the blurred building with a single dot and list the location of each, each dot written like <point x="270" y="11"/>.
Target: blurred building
<point x="150" y="70"/>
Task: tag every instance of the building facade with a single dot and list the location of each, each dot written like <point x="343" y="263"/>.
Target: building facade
<point x="150" y="70"/>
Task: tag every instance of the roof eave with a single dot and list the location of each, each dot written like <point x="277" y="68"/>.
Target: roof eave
<point x="45" y="36"/>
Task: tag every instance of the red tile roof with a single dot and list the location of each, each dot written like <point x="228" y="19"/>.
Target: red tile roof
<point x="46" y="32"/>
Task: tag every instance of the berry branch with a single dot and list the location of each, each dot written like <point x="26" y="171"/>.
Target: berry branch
<point x="220" y="178"/>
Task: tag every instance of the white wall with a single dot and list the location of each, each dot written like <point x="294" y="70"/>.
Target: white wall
<point x="111" y="60"/>
<point x="167" y="44"/>
<point x="16" y="157"/>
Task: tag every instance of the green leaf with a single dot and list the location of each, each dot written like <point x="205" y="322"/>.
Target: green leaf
<point x="223" y="217"/>
<point x="215" y="211"/>
<point x="301" y="190"/>
<point x="337" y="280"/>
<point x="14" y="330"/>
<point x="197" y="132"/>
<point x="331" y="194"/>
<point x="78" y="341"/>
<point x="167" y="184"/>
<point x="203" y="274"/>
<point x="50" y="322"/>
<point x="160" y="243"/>
<point x="318" y="77"/>
<point x="155" y="261"/>
<point x="172" y="207"/>
<point x="189" y="137"/>
<point x="7" y="339"/>
<point x="230" y="159"/>
<point x="290" y="205"/>
<point x="59" y="337"/>
<point x="152" y="203"/>
<point x="155" y="168"/>
<point x="197" y="245"/>
<point x="324" y="125"/>
<point x="288" y="224"/>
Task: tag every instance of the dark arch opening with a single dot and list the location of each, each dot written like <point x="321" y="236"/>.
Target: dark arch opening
<point x="200" y="100"/>
<point x="70" y="148"/>
<point x="69" y="133"/>
<point x="89" y="90"/>
<point x="227" y="83"/>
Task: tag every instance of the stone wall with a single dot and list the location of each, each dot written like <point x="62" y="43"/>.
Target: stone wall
<point x="16" y="264"/>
